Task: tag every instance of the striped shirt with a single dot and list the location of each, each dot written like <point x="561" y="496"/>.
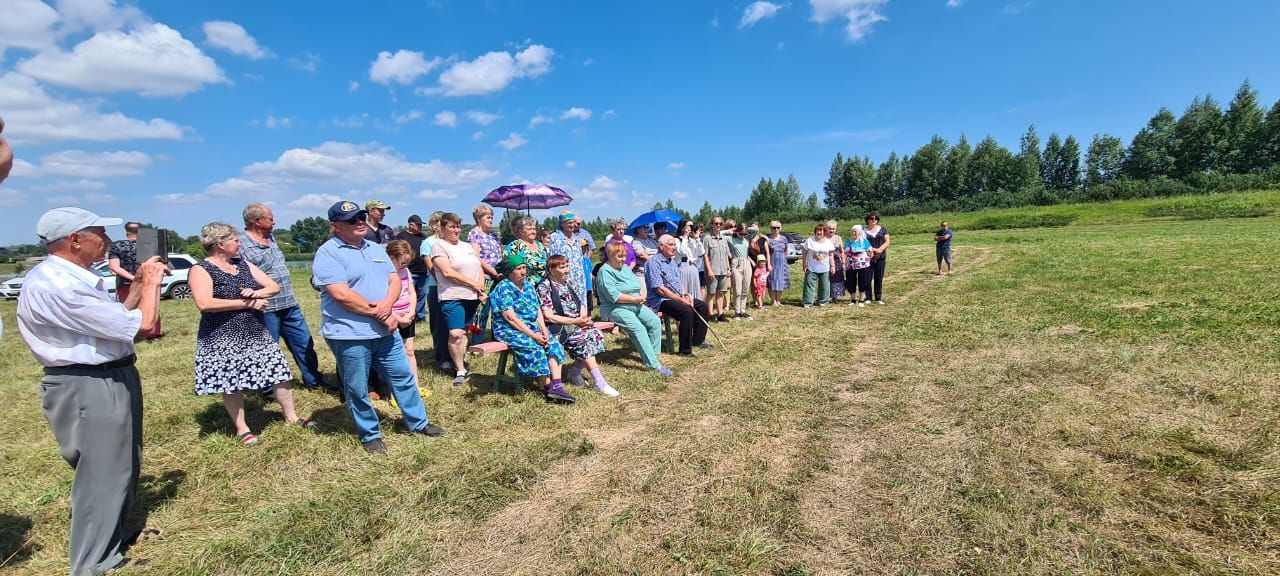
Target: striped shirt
<point x="270" y="259"/>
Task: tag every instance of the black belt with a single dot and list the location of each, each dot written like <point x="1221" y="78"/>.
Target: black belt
<point x="112" y="365"/>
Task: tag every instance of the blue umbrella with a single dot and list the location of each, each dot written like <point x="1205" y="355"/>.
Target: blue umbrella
<point x="671" y="217"/>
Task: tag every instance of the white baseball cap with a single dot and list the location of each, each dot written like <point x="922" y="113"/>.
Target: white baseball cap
<point x="59" y="223"/>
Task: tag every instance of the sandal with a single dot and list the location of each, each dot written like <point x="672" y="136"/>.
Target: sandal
<point x="143" y="535"/>
<point x="303" y="423"/>
<point x="247" y="438"/>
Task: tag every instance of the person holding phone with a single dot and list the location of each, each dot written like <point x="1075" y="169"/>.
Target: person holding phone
<point x="122" y="258"/>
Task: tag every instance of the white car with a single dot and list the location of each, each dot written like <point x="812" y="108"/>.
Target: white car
<point x="173" y="286"/>
<point x="10" y="288"/>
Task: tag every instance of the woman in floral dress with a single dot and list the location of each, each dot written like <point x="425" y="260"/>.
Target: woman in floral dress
<point x="526" y="244"/>
<point x="518" y="322"/>
<point x="570" y="323"/>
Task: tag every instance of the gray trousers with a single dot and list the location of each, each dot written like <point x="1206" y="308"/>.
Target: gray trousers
<point x="96" y="416"/>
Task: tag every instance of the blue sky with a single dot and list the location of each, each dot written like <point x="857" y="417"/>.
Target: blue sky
<point x="180" y="113"/>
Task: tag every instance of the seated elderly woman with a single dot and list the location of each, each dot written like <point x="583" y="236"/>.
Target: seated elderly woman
<point x="518" y="322"/>
<point x="622" y="301"/>
<point x="572" y="325"/>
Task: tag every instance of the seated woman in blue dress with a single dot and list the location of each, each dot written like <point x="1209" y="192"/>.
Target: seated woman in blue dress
<point x="518" y="323"/>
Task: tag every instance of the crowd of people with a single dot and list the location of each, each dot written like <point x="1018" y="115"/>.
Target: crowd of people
<point x="539" y="294"/>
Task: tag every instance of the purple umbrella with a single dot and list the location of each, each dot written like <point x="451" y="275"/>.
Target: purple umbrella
<point x="527" y="197"/>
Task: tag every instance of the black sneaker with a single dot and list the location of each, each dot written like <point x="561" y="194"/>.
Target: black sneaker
<point x="744" y="316"/>
<point x="431" y="430"/>
<point x="721" y="318"/>
<point x="375" y="446"/>
<point x="706" y="345"/>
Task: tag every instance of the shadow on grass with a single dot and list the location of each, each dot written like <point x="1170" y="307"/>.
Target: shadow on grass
<point x="14" y="548"/>
<point x="153" y="491"/>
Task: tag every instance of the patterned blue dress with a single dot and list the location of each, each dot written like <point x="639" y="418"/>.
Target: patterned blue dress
<point x="568" y="247"/>
<point x="779" y="270"/>
<point x="531" y="358"/>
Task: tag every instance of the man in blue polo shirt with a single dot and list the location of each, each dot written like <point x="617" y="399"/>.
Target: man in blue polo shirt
<point x="942" y="246"/>
<point x="358" y="285"/>
<point x="662" y="276"/>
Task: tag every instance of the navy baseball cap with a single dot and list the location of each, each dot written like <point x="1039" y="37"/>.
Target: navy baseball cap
<point x="346" y="210"/>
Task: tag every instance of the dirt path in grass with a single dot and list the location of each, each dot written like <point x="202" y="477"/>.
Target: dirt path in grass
<point x="659" y="455"/>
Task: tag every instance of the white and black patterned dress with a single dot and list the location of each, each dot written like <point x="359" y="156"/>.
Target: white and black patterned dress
<point x="234" y="353"/>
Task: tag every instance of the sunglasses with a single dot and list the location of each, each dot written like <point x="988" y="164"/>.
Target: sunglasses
<point x="352" y="221"/>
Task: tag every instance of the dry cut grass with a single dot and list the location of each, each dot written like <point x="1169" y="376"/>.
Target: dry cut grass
<point x="1068" y="402"/>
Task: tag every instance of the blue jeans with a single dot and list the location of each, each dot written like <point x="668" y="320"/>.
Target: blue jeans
<point x="420" y="290"/>
<point x="288" y="322"/>
<point x="386" y="356"/>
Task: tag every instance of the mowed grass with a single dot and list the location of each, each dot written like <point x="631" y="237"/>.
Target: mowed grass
<point x="1085" y="399"/>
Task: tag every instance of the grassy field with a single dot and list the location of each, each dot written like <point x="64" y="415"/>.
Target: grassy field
<point x="1098" y="397"/>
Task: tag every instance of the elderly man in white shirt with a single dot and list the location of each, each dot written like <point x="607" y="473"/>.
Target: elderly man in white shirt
<point x="91" y="392"/>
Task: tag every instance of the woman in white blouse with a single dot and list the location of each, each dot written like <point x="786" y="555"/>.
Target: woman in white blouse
<point x="818" y="251"/>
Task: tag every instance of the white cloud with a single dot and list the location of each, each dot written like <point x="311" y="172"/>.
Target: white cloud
<point x="314" y="201"/>
<point x="603" y="182"/>
<point x="24" y="169"/>
<point x="860" y="15"/>
<point x="715" y="22"/>
<point x="360" y="164"/>
<point x="99" y="198"/>
<point x="98" y="15"/>
<point x="233" y="38"/>
<point x="273" y="122"/>
<point x="240" y="188"/>
<point x="641" y="200"/>
<point x="756" y="12"/>
<point x="308" y="62"/>
<point x="539" y="120"/>
<point x="410" y="117"/>
<point x="27" y="24"/>
<point x="66" y="200"/>
<point x="429" y="194"/>
<point x="570" y="164"/>
<point x="954" y="3"/>
<point x="403" y="67"/>
<point x="351" y="121"/>
<point x="64" y="185"/>
<point x="446" y="118"/>
<point x="608" y="114"/>
<point x="493" y="72"/>
<point x="177" y="198"/>
<point x="10" y="196"/>
<point x="95" y="165"/>
<point x="477" y="136"/>
<point x="589" y="61"/>
<point x="679" y="194"/>
<point x="352" y="86"/>
<point x="576" y="113"/>
<point x="675" y="166"/>
<point x="513" y="141"/>
<point x="1015" y="8"/>
<point x="482" y="118"/>
<point x="153" y="60"/>
<point x="33" y="116"/>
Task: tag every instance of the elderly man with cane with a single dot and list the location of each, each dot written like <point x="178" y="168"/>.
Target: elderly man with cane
<point x="91" y="392"/>
<point x="662" y="275"/>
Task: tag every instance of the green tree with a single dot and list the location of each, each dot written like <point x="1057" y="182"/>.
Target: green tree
<point x="833" y="192"/>
<point x="812" y="204"/>
<point x="1050" y="161"/>
<point x="992" y="168"/>
<point x="886" y="185"/>
<point x="925" y="170"/>
<point x="1067" y="176"/>
<point x="1029" y="160"/>
<point x="902" y="185"/>
<point x="1268" y="138"/>
<point x="859" y="181"/>
<point x="1240" y="126"/>
<point x="1198" y="135"/>
<point x="705" y="213"/>
<point x="1104" y="160"/>
<point x="789" y="194"/>
<point x="1151" y="152"/>
<point x="955" y="169"/>
<point x="764" y="199"/>
<point x="310" y="232"/>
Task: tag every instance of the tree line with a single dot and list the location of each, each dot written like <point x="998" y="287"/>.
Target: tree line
<point x="1203" y="150"/>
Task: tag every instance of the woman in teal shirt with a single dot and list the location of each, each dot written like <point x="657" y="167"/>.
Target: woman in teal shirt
<point x="622" y="301"/>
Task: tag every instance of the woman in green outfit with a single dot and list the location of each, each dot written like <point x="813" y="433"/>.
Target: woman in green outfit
<point x="526" y="244"/>
<point x="622" y="301"/>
